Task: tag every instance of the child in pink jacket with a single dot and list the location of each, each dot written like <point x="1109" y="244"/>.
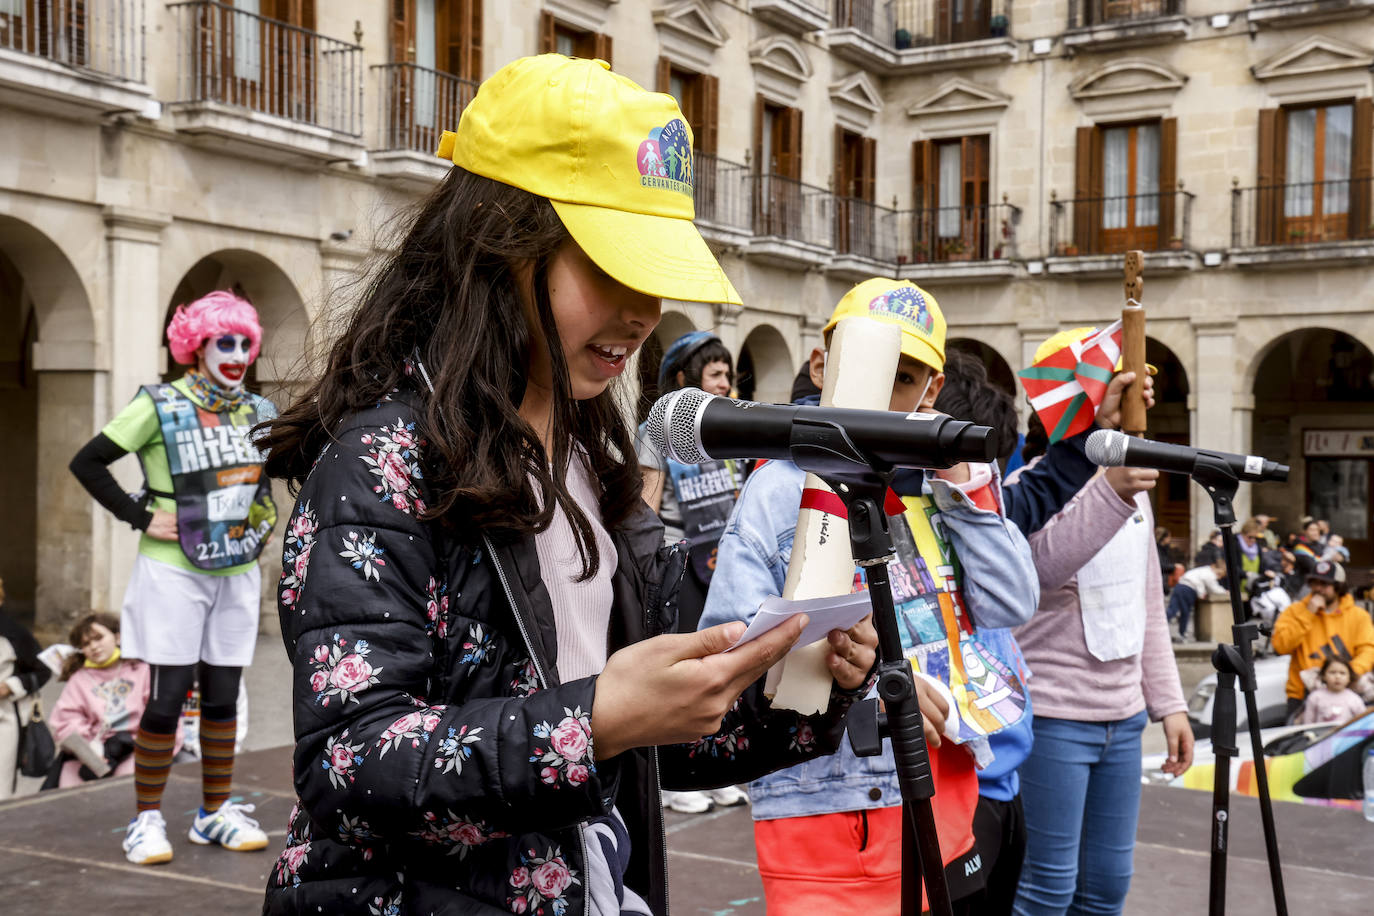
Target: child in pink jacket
<point x="102" y="701"/>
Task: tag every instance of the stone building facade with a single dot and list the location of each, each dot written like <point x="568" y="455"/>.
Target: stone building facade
<point x="1001" y="153"/>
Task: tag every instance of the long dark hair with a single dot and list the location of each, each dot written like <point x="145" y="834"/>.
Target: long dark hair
<point x="451" y="293"/>
<point x="969" y="395"/>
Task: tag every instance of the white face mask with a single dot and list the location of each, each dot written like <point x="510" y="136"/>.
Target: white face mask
<point x="226" y="359"/>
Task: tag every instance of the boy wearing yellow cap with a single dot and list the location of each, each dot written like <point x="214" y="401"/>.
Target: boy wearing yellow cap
<point x="829" y="829"/>
<point x="479" y="615"/>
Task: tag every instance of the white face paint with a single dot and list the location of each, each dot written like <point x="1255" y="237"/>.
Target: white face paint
<point x="226" y="359"/>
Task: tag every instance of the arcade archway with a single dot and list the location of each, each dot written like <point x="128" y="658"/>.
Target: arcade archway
<point x="765" y="368"/>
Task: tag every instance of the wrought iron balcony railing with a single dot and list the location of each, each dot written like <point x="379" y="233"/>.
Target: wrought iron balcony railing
<point x="1085" y="13"/>
<point x="723" y="191"/>
<point x="416" y="105"/>
<point x="903" y="24"/>
<point x="1302" y="213"/>
<point x="103" y="37"/>
<point x="788" y="209"/>
<point x="233" y="57"/>
<point x="986" y="232"/>
<point x="1111" y="225"/>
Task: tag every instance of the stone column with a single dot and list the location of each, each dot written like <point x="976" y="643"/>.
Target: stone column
<point x="1243" y="438"/>
<point x="1214" y="400"/>
<point x="725" y="325"/>
<point x="134" y="240"/>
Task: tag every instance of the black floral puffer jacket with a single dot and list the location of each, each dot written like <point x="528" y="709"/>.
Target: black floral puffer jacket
<point x="440" y="766"/>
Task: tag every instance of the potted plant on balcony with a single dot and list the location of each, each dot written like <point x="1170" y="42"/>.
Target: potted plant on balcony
<point x="1175" y="243"/>
<point x="1297" y="235"/>
<point x="997" y="27"/>
<point x="922" y="252"/>
<point x="902" y="39"/>
<point x="1068" y="250"/>
<point x="956" y="250"/>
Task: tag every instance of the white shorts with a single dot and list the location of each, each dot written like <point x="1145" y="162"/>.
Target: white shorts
<point x="175" y="617"/>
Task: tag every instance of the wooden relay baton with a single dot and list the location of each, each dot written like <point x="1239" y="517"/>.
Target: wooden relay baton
<point x="1133" y="345"/>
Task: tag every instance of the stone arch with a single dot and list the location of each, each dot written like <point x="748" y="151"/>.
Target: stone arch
<point x="766" y="367"/>
<point x="1311" y="388"/>
<point x="281" y="310"/>
<point x="671" y="326"/>
<point x="999" y="370"/>
<point x="1169" y="421"/>
<point x="49" y="359"/>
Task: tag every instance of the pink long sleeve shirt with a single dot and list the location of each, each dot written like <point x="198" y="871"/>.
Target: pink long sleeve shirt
<point x="1069" y="682"/>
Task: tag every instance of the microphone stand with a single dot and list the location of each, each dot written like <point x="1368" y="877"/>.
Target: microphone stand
<point x="861" y="482"/>
<point x="1234" y="661"/>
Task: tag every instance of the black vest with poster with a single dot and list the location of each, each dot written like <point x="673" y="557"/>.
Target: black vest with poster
<point x="217" y="477"/>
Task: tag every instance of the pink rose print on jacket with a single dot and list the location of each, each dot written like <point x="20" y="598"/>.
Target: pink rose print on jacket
<point x="295" y="557"/>
<point x="436" y="608"/>
<point x="341" y="760"/>
<point x="394" y="457"/>
<point x="391" y="906"/>
<point x="346" y="671"/>
<point x="415" y="727"/>
<point x="540" y="880"/>
<point x="289" y="864"/>
<point x="456" y="747"/>
<point x="569" y="745"/>
<point x="457" y="831"/>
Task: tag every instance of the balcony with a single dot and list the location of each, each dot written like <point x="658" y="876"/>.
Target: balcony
<point x="723" y="193"/>
<point x="795" y="16"/>
<point x="1283" y="13"/>
<point x="1100" y="25"/>
<point x="266" y="88"/>
<point x="792" y="222"/>
<point x="970" y="243"/>
<point x="79" y="58"/>
<point x="415" y="106"/>
<point x="894" y="37"/>
<point x="1304" y="224"/>
<point x="952" y="243"/>
<point x="1088" y="235"/>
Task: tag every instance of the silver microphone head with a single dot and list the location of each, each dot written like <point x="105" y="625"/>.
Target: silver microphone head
<point x="674" y="425"/>
<point x="1106" y="448"/>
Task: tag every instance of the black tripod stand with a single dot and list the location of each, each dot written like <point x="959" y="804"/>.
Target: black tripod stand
<point x="861" y="484"/>
<point x="1234" y="661"/>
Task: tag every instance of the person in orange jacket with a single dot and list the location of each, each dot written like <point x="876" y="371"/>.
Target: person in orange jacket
<point x="1325" y="624"/>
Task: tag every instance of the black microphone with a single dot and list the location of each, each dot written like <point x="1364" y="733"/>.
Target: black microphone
<point x="1110" y="448"/>
<point x="690" y="426"/>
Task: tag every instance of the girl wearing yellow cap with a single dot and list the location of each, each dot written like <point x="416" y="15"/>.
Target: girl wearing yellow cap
<point x="478" y="604"/>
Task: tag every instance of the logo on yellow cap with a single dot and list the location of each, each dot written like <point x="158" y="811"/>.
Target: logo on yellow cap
<point x="905" y="303"/>
<point x="665" y="159"/>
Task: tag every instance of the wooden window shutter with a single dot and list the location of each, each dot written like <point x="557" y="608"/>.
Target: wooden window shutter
<point x="664" y="81"/>
<point x="305" y="15"/>
<point x="793" y="127"/>
<point x="601" y="46"/>
<point x="710" y="114"/>
<point x="472" y="62"/>
<point x="1362" y="169"/>
<point x="869" y="190"/>
<point x="924" y="175"/>
<point x="1269" y="176"/>
<point x="1087" y="205"/>
<point x="1168" y="182"/>
<point x="839" y="180"/>
<point x="401" y="18"/>
<point x="548" y="39"/>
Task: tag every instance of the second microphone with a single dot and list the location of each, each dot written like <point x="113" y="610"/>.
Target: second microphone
<point x="691" y="426"/>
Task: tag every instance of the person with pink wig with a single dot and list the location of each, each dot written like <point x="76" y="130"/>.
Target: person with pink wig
<point x="205" y="513"/>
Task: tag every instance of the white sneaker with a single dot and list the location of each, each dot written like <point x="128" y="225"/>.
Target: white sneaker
<point x="687" y="802"/>
<point x="145" y="839"/>
<point x="230" y="827"/>
<point x="728" y="796"/>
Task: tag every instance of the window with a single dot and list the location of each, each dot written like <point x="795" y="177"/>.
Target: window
<point x="1124" y="194"/>
<point x="1314" y="173"/>
<point x="436" y="53"/>
<point x="561" y="38"/>
<point x="951" y="188"/>
<point x="854" y="184"/>
<point x="698" y="96"/>
<point x="778" y="167"/>
<point x="270" y="68"/>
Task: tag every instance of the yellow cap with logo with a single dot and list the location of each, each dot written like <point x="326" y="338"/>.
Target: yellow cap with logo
<point x="1058" y="341"/>
<point x="614" y="160"/>
<point x="904" y="304"/>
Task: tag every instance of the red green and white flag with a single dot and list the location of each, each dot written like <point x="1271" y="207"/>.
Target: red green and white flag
<point x="1067" y="387"/>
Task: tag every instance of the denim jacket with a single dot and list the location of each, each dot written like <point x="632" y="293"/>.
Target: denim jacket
<point x="999" y="585"/>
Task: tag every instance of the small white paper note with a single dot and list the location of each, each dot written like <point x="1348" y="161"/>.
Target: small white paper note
<point x="838" y="613"/>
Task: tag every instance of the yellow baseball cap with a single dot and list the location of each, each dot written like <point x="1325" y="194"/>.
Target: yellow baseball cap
<point x="904" y="304"/>
<point x="614" y="160"/>
<point x="1062" y="339"/>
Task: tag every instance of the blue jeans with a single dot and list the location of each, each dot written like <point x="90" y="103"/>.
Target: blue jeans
<point x="1081" y="790"/>
<point x="1182" y="600"/>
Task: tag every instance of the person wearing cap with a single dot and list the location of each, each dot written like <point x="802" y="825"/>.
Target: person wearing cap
<point x="479" y="607"/>
<point x="693" y="500"/>
<point x="828" y="831"/>
<point x="1323" y="624"/>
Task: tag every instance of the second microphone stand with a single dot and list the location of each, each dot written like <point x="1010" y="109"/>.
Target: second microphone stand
<point x="861" y="483"/>
<point x="1234" y="661"/>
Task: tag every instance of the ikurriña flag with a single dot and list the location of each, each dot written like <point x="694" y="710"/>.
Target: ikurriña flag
<point x="1067" y="387"/>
